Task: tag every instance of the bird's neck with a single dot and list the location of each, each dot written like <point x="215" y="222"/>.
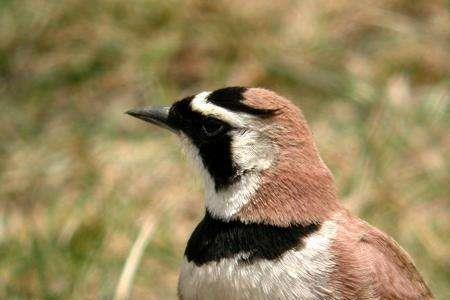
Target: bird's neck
<point x="292" y="198"/>
<point x="298" y="189"/>
<point x="285" y="197"/>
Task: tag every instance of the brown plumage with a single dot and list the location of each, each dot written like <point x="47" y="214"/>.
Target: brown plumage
<point x="300" y="189"/>
<point x="274" y="228"/>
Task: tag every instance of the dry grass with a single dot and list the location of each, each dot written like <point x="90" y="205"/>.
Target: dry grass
<point x="78" y="179"/>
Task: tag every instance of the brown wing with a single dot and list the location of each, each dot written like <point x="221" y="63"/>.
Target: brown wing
<point x="395" y="276"/>
<point x="371" y="265"/>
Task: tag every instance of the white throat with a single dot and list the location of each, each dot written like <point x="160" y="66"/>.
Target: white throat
<point x="228" y="201"/>
<point x="252" y="153"/>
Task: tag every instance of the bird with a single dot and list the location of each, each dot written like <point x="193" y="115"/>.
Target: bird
<point x="273" y="226"/>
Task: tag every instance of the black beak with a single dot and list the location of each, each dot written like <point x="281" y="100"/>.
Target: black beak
<point x="155" y="115"/>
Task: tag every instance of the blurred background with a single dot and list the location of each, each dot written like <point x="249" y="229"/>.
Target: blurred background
<point x="86" y="190"/>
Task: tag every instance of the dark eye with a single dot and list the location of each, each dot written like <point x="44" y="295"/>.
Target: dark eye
<point x="212" y="127"/>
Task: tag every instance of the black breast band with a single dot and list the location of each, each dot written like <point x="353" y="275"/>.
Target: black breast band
<point x="214" y="239"/>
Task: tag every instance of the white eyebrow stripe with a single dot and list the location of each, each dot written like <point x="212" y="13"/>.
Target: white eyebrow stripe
<point x="201" y="105"/>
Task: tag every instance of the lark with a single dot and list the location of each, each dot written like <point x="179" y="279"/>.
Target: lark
<point x="273" y="226"/>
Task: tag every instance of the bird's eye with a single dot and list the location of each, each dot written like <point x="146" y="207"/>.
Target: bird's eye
<point x="212" y="127"/>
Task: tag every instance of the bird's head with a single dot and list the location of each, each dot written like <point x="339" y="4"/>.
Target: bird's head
<point x="256" y="153"/>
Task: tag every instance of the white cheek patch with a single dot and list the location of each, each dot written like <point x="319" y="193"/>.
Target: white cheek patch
<point x="251" y="151"/>
<point x="224" y="203"/>
<point x="251" y="154"/>
<point x="201" y="105"/>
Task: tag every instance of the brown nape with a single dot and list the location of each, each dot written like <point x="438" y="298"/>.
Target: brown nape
<point x="299" y="188"/>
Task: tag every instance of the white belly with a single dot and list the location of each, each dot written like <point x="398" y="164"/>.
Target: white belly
<point x="298" y="274"/>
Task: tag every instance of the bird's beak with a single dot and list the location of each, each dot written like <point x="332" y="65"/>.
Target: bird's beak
<point x="155" y="115"/>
